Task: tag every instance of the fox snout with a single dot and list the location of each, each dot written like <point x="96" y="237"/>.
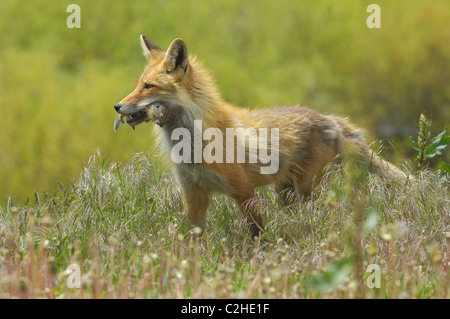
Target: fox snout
<point x="127" y="108"/>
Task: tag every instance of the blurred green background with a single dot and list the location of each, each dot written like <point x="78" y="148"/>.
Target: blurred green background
<point x="59" y="85"/>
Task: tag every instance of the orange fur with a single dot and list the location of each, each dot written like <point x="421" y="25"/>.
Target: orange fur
<point x="308" y="141"/>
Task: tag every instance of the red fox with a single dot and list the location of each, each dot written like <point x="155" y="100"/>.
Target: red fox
<point x="176" y="92"/>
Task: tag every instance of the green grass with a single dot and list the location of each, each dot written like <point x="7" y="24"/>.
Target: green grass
<point x="124" y="225"/>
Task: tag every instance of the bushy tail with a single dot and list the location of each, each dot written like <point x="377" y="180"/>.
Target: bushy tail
<point x="353" y="138"/>
<point x="383" y="168"/>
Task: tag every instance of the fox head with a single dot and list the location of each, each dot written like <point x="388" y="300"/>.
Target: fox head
<point x="166" y="79"/>
<point x="174" y="80"/>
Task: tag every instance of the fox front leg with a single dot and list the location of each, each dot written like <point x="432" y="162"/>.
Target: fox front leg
<point x="197" y="202"/>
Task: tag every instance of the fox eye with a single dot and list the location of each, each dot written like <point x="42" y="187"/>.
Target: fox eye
<point x="148" y="86"/>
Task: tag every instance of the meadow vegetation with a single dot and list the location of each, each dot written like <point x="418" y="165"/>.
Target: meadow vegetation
<point x="124" y="226"/>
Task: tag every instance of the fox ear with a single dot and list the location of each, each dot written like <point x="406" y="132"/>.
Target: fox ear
<point x="149" y="48"/>
<point x="177" y="56"/>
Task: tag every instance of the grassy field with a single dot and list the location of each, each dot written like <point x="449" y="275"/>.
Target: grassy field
<point x="58" y="85"/>
<point x="123" y="225"/>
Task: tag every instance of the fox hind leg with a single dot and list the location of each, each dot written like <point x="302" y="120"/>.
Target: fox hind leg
<point x="245" y="198"/>
<point x="286" y="193"/>
<point x="311" y="170"/>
